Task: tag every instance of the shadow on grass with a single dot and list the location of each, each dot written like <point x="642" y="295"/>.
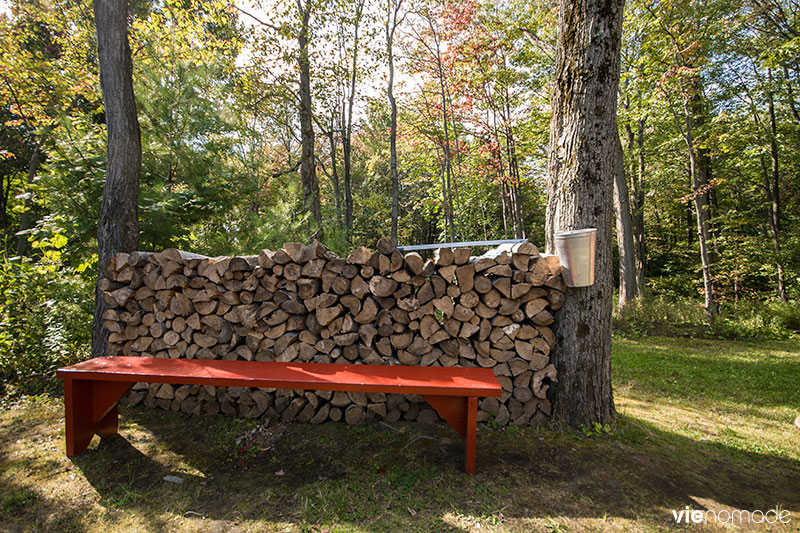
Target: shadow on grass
<point x="410" y="477"/>
<point x="17" y="499"/>
<point x="20" y="500"/>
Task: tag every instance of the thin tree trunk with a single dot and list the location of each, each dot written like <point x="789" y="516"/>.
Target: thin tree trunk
<point x="513" y="166"/>
<point x="501" y="174"/>
<point x="335" y="174"/>
<point x="308" y="170"/>
<point x="118" y="230"/>
<point x="445" y="199"/>
<point x="581" y="172"/>
<point x="636" y="228"/>
<point x="790" y="94"/>
<point x="5" y="193"/>
<point x="447" y="164"/>
<point x="700" y="199"/>
<point x="502" y="189"/>
<point x="348" y="129"/>
<point x="627" y="265"/>
<point x="638" y="210"/>
<point x="773" y="188"/>
<point x="391" y="26"/>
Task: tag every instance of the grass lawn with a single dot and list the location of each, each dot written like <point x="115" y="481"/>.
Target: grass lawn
<point x="705" y="424"/>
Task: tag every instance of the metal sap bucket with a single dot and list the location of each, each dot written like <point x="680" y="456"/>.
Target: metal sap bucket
<point x="575" y="250"/>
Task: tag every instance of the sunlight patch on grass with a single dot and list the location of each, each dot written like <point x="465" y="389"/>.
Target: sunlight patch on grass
<point x="741" y="395"/>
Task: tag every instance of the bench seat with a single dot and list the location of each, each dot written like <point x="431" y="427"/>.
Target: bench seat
<point x="93" y="388"/>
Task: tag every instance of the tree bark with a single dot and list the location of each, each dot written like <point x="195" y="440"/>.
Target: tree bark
<point x="638" y="210"/>
<point x="335" y="173"/>
<point x="118" y="230"/>
<point x="391" y="27"/>
<point x="347" y="134"/>
<point x="447" y="165"/>
<point x="636" y="203"/>
<point x="581" y="169"/>
<point x="773" y="195"/>
<point x="513" y="165"/>
<point x="698" y="171"/>
<point x="628" y="289"/>
<point x="308" y="170"/>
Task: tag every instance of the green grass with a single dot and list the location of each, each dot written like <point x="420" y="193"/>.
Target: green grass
<point x="738" y="394"/>
<point x="701" y="423"/>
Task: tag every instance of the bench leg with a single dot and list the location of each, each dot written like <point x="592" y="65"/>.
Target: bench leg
<point x="462" y="414"/>
<point x="90" y="407"/>
<point x="471" y="437"/>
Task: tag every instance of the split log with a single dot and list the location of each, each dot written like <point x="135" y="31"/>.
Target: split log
<point x="303" y="303"/>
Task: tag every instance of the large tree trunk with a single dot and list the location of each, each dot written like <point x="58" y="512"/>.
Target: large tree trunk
<point x="118" y="230"/>
<point x="583" y="159"/>
<point x="308" y="170"/>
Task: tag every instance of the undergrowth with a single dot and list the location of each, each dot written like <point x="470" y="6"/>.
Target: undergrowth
<point x="663" y="316"/>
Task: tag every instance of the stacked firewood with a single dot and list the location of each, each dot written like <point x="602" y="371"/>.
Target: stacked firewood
<point x="304" y="303"/>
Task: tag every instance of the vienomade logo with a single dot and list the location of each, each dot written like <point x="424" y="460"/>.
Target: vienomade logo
<point x="688" y="515"/>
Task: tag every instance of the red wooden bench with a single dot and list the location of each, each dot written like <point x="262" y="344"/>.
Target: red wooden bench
<point x="93" y="388"/>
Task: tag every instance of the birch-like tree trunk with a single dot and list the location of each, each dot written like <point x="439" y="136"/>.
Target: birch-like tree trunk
<point x="335" y="172"/>
<point x="698" y="172"/>
<point x="393" y="10"/>
<point x="347" y="134"/>
<point x="582" y="162"/>
<point x="118" y="230"/>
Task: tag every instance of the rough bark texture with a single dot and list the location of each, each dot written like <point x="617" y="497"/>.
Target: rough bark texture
<point x="118" y="230"/>
<point x="308" y="171"/>
<point x="581" y="167"/>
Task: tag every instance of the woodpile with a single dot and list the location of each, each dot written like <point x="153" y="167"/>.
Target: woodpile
<point x="304" y="303"/>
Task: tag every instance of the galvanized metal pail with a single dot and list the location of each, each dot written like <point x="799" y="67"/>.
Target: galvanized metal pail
<point x="575" y="250"/>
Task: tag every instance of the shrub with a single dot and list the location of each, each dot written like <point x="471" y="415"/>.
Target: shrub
<point x="45" y="320"/>
<point x="682" y="317"/>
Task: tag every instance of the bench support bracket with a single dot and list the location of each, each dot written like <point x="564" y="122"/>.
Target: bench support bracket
<point x="90" y="407"/>
<point x="461" y="413"/>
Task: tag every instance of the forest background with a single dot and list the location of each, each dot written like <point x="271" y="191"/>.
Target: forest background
<point x="430" y="124"/>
